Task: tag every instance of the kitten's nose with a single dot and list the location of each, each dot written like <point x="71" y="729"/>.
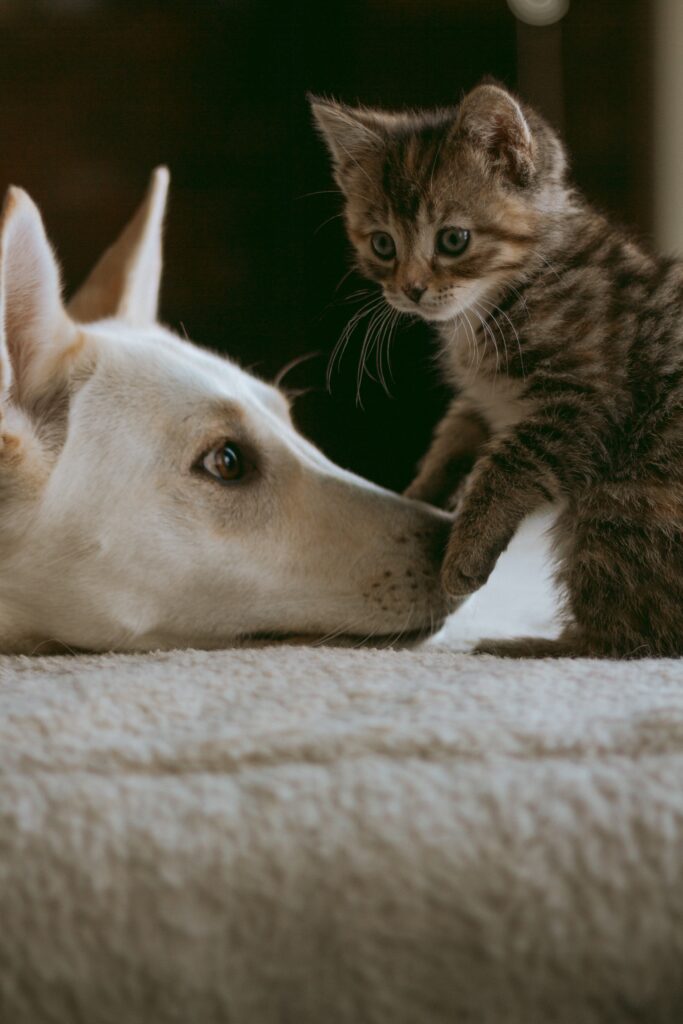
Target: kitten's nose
<point x="414" y="291"/>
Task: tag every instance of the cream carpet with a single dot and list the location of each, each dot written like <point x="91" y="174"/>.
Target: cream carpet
<point x="289" y="834"/>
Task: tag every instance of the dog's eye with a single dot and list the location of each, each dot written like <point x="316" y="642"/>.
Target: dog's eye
<point x="383" y="245"/>
<point x="224" y="462"/>
<point x="452" y="241"/>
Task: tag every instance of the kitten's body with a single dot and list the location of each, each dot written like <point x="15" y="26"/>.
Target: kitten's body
<point x="564" y="343"/>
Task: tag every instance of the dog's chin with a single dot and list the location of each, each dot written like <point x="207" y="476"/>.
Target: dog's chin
<point x="406" y="640"/>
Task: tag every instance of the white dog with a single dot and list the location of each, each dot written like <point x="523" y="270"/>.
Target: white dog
<point x="154" y="495"/>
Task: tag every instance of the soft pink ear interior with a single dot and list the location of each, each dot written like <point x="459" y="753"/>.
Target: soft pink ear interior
<point x="125" y="282"/>
<point x="33" y="323"/>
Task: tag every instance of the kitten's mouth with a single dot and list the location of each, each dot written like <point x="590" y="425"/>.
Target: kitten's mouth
<point x="439" y="315"/>
<point x="426" y="310"/>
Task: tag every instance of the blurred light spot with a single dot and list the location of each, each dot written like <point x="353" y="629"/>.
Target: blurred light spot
<point x="539" y="12"/>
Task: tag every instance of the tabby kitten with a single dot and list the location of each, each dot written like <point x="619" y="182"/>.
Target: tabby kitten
<point x="563" y="339"/>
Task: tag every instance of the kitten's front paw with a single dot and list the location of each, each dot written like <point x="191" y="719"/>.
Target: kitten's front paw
<point x="467" y="565"/>
<point x="445" y="497"/>
<point x="458" y="581"/>
<point x="419" y="490"/>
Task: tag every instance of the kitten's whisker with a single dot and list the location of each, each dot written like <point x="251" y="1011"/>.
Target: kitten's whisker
<point x="343" y="278"/>
<point x="328" y="192"/>
<point x="539" y="255"/>
<point x="396" y="317"/>
<point x="372" y="313"/>
<point x="514" y="331"/>
<point x="520" y="298"/>
<point x="335" y="216"/>
<point x="319" y="192"/>
<point x="384" y="335"/>
<point x="471" y="336"/>
<point x="346" y="335"/>
<point x="378" y="351"/>
<point x="356" y="296"/>
<point x="338" y="351"/>
<point x="366" y="349"/>
<point x="353" y="297"/>
<point x="477" y="350"/>
<point x="489" y="308"/>
<point x="460" y="332"/>
<point x="488" y="333"/>
<point x="381" y="325"/>
<point x="471" y="342"/>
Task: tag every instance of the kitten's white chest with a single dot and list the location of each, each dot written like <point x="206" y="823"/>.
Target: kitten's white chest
<point x="478" y="372"/>
<point x="498" y="401"/>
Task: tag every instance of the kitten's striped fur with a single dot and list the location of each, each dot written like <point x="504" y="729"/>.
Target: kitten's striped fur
<point x="564" y="342"/>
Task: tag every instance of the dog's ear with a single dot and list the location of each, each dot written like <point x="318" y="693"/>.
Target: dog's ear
<point x="35" y="332"/>
<point x="125" y="282"/>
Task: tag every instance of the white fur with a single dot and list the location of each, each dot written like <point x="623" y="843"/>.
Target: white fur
<point x="111" y="538"/>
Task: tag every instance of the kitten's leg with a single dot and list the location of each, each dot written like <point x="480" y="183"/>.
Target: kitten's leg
<point x="621" y="565"/>
<point x="453" y="451"/>
<point x="516" y="475"/>
<point x="534" y="647"/>
<point x="623" y="568"/>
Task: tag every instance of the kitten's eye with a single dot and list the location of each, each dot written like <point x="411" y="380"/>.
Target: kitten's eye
<point x="383" y="245"/>
<point x="224" y="462"/>
<point x="452" y="241"/>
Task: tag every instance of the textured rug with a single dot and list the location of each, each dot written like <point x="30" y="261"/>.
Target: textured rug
<point x="290" y="834"/>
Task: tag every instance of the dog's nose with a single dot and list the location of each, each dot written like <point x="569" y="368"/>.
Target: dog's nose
<point x="414" y="291"/>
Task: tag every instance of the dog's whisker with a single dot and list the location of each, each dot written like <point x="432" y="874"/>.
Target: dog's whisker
<point x="48" y="641"/>
<point x="291" y="365"/>
<point x="346" y="629"/>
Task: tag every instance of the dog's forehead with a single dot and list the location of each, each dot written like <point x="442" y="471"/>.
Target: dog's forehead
<point x="161" y="367"/>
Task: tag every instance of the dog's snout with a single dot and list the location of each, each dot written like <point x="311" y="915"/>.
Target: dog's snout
<point x="414" y="291"/>
<point x="432" y="537"/>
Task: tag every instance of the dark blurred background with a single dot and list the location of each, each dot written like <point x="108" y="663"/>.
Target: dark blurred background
<point x="94" y="93"/>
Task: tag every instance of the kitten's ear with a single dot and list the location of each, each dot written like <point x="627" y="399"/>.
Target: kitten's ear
<point x="125" y="282"/>
<point x="37" y="338"/>
<point x="350" y="133"/>
<point x="493" y="120"/>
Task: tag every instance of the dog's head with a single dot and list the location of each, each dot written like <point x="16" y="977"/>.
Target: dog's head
<point x="153" y="494"/>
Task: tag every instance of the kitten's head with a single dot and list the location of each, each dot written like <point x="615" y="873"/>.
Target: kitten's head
<point x="444" y="207"/>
